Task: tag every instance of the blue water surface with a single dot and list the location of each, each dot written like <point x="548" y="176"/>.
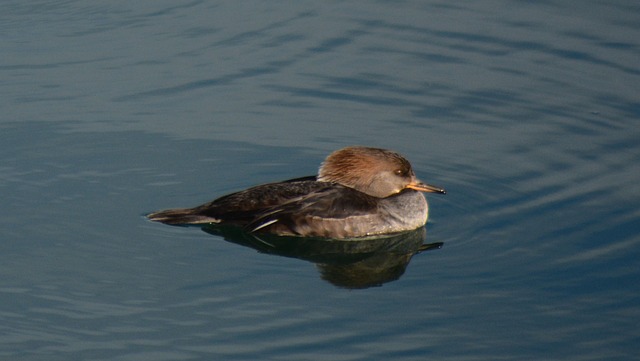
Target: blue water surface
<point x="526" y="112"/>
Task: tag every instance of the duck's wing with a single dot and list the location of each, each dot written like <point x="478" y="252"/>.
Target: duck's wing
<point x="240" y="207"/>
<point x="243" y="206"/>
<point x="334" y="211"/>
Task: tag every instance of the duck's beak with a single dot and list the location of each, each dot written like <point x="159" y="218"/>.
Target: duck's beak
<point x="419" y="186"/>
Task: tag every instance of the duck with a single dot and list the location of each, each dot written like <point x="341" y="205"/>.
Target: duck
<point x="358" y="192"/>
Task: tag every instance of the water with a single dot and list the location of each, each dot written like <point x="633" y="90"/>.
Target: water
<point x="525" y="112"/>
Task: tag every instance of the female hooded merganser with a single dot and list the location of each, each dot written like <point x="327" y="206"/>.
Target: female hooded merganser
<point x="359" y="191"/>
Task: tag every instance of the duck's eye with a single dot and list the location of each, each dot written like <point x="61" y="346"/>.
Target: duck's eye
<point x="399" y="172"/>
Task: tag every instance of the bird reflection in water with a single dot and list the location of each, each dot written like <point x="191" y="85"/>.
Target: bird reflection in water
<point x="347" y="263"/>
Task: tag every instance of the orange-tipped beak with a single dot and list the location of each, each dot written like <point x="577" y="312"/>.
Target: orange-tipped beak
<point x="419" y="186"/>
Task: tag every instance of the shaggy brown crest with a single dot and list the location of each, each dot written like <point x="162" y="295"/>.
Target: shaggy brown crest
<point x="376" y="172"/>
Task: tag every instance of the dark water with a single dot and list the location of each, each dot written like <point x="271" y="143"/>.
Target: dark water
<point x="527" y="112"/>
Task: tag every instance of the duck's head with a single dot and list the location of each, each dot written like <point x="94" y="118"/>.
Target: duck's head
<point x="374" y="171"/>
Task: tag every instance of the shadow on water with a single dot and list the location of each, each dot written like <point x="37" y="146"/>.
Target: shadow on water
<point x="352" y="263"/>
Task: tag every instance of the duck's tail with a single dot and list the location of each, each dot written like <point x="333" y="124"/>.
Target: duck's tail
<point x="181" y="216"/>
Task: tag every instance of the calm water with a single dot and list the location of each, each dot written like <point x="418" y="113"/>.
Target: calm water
<point x="527" y="112"/>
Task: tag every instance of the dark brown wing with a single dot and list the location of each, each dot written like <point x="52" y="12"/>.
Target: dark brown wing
<point x="242" y="207"/>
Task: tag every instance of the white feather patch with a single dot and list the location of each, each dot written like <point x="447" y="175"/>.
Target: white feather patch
<point x="266" y="224"/>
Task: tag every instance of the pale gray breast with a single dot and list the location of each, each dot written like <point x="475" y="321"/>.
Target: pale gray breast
<point x="406" y="210"/>
<point x="403" y="212"/>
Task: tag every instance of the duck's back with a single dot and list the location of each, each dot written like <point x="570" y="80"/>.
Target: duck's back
<point x="241" y="207"/>
<point x="244" y="206"/>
